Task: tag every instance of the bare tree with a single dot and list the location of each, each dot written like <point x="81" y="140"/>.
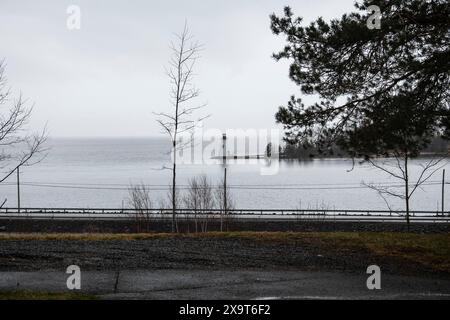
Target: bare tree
<point x="18" y="148"/>
<point x="139" y="199"/>
<point x="398" y="167"/>
<point x="183" y="94"/>
<point x="223" y="199"/>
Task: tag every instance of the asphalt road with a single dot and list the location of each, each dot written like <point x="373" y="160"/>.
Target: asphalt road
<point x="237" y="284"/>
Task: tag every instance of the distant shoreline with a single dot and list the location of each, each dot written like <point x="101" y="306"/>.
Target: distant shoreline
<point x="423" y="155"/>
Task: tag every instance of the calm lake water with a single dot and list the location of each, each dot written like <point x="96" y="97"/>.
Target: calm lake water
<point x="97" y="172"/>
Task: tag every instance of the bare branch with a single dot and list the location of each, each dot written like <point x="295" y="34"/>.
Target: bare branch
<point x="380" y="167"/>
<point x="425" y="172"/>
<point x="384" y="190"/>
<point x="19" y="149"/>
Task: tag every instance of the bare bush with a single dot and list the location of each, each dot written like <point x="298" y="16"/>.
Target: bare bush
<point x="140" y="200"/>
<point x="199" y="198"/>
<point x="191" y="201"/>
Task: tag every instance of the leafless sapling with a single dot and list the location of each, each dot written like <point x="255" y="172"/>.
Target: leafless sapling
<point x="398" y="167"/>
<point x="183" y="95"/>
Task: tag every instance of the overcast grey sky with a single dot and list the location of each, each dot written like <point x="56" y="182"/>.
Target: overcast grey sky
<point x="107" y="78"/>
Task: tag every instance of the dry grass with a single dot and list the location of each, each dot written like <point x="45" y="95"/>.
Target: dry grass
<point x="29" y="295"/>
<point x="429" y="250"/>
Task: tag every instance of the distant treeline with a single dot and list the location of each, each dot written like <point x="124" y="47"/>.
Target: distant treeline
<point x="298" y="151"/>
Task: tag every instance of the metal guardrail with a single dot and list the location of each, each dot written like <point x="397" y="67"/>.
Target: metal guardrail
<point x="268" y="214"/>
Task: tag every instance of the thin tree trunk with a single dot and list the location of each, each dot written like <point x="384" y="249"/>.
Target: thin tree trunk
<point x="407" y="190"/>
<point x="174" y="174"/>
<point x="177" y="104"/>
<point x="224" y="198"/>
<point x="181" y="96"/>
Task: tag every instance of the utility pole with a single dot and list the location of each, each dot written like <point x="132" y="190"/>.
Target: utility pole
<point x="443" y="190"/>
<point x="18" y="189"/>
<point x="224" y="139"/>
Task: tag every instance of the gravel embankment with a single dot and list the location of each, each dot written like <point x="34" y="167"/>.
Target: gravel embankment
<point x="193" y="253"/>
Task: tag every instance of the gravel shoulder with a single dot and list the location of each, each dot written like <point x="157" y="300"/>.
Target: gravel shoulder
<point x="424" y="255"/>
